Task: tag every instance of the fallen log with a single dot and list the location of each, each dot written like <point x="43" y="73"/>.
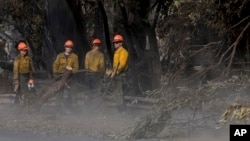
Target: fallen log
<point x="7" y="98"/>
<point x="142" y="99"/>
<point x="43" y="97"/>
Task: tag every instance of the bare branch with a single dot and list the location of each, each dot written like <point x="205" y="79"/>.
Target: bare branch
<point x="243" y="20"/>
<point x="205" y="47"/>
<point x="234" y="45"/>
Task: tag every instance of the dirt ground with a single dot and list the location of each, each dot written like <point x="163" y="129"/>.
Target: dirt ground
<point x="107" y="123"/>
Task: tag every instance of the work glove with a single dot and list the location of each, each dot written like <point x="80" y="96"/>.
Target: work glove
<point x="108" y="72"/>
<point x="16" y="85"/>
<point x="112" y="75"/>
<point x="69" y="68"/>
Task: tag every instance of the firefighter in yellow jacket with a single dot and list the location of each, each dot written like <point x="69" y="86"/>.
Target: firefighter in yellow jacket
<point x="94" y="62"/>
<point x="119" y="70"/>
<point x="22" y="69"/>
<point x="65" y="60"/>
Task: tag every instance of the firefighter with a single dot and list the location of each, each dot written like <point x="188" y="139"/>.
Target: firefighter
<point x="65" y="60"/>
<point x="94" y="62"/>
<point x="22" y="71"/>
<point x="119" y="70"/>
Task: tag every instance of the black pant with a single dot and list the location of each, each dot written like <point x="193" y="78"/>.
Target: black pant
<point x="93" y="81"/>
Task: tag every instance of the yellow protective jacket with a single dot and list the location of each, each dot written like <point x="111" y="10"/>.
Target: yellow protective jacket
<point x="121" y="58"/>
<point x="59" y="65"/>
<point x="22" y="65"/>
<point x="94" y="61"/>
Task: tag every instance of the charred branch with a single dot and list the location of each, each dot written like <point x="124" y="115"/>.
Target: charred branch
<point x="43" y="97"/>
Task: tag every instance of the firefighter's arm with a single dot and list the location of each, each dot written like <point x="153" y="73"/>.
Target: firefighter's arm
<point x="74" y="64"/>
<point x="116" y="65"/>
<point x="56" y="65"/>
<point x="86" y="64"/>
<point x="15" y="75"/>
<point x="115" y="69"/>
<point x="102" y="64"/>
<point x="122" y="62"/>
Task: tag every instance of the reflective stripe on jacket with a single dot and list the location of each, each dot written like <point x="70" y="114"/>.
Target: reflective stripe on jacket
<point x="59" y="65"/>
<point x="94" y="61"/>
<point x="121" y="58"/>
<point x="22" y="65"/>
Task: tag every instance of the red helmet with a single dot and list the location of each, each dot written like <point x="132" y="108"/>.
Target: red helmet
<point x="69" y="43"/>
<point x="118" y="38"/>
<point x="22" y="46"/>
<point x="96" y="41"/>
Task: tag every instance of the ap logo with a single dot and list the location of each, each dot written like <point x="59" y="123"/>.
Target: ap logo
<point x="239" y="132"/>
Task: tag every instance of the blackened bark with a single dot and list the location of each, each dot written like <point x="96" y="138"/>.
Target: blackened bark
<point x="144" y="63"/>
<point x="76" y="9"/>
<point x="106" y="30"/>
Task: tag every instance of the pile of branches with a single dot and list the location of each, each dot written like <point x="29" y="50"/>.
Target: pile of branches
<point x="199" y="98"/>
<point x="238" y="112"/>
